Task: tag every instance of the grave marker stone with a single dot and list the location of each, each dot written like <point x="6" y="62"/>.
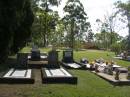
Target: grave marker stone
<point x="21" y="60"/>
<point x="68" y="56"/>
<point x="53" y="59"/>
<point x="117" y="75"/>
<point x="128" y="76"/>
<point x="35" y="53"/>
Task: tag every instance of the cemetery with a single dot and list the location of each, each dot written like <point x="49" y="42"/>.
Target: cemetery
<point x="64" y="48"/>
<point x="53" y="73"/>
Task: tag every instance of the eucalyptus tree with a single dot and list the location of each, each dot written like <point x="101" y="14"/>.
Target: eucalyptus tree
<point x="75" y="20"/>
<point x="16" y="18"/>
<point x="124" y="9"/>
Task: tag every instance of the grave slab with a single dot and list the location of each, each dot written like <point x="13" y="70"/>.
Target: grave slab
<point x="24" y="76"/>
<point x="57" y="76"/>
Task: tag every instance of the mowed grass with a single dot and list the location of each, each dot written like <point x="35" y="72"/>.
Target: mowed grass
<point x="89" y="85"/>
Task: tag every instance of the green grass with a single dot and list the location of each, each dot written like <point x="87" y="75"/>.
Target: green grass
<point x="89" y="85"/>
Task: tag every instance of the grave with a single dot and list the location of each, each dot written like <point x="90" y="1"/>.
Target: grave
<point x="19" y="74"/>
<point x="54" y="73"/>
<point x="37" y="59"/>
<point x="115" y="79"/>
<point x="105" y="66"/>
<point x="36" y="55"/>
<point x="69" y="62"/>
<point x="117" y="76"/>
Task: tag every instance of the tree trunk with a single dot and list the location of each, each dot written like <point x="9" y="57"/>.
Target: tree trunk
<point x="44" y="39"/>
<point x="128" y="17"/>
<point x="111" y="41"/>
<point x="72" y="34"/>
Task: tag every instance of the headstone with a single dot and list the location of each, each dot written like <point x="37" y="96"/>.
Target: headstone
<point x="22" y="60"/>
<point x="117" y="75"/>
<point x="106" y="68"/>
<point x="35" y="53"/>
<point x="53" y="59"/>
<point x="128" y="76"/>
<point x="125" y="55"/>
<point x="68" y="56"/>
<point x="110" y="69"/>
<point x="96" y="68"/>
<point x="92" y="65"/>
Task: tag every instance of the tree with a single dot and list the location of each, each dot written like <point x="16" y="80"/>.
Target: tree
<point x="39" y="26"/>
<point x="124" y="9"/>
<point x="45" y="18"/>
<point x="75" y="21"/>
<point x="16" y="18"/>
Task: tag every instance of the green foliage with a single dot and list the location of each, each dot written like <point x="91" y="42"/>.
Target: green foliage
<point x="43" y="27"/>
<point x="16" y="18"/>
<point x="103" y="39"/>
<point x="116" y="47"/>
<point x="45" y="21"/>
<point x="90" y="36"/>
<point x="57" y="37"/>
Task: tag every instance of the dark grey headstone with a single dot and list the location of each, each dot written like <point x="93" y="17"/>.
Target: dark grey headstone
<point x="22" y="60"/>
<point x="35" y="54"/>
<point x="53" y="59"/>
<point x="68" y="56"/>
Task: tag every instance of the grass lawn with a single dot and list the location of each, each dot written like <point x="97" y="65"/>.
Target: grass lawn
<point x="89" y="85"/>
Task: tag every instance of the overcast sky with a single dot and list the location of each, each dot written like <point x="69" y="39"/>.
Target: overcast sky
<point x="96" y="9"/>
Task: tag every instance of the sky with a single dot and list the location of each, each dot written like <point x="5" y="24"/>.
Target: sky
<point x="96" y="9"/>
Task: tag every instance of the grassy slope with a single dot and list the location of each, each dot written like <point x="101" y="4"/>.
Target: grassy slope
<point x="89" y="85"/>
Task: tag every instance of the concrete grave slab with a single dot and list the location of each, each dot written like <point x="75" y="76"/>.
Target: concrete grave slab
<point x="24" y="76"/>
